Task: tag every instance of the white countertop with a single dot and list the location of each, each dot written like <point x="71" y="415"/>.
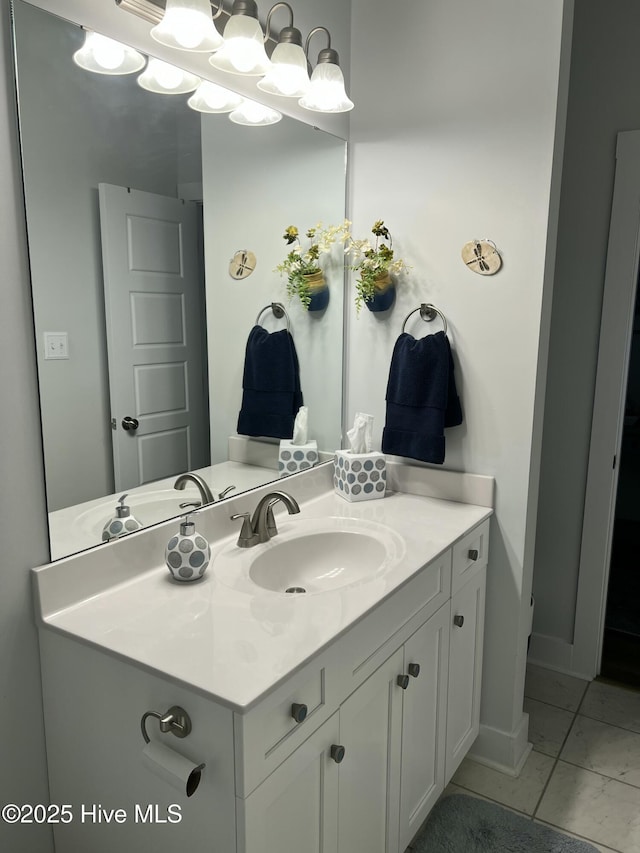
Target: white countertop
<point x="236" y="644"/>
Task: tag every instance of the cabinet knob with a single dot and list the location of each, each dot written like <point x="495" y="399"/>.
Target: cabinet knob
<point x="473" y="554"/>
<point x="414" y="670"/>
<point x="299" y="712"/>
<point x="337" y="752"/>
<point x="458" y="620"/>
<point x="403" y="681"/>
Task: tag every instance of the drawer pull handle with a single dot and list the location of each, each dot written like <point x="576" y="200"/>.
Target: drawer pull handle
<point x="403" y="681"/>
<point x="458" y="620"/>
<point x="414" y="670"/>
<point x="299" y="712"/>
<point x="473" y="554"/>
<point x="337" y="752"/>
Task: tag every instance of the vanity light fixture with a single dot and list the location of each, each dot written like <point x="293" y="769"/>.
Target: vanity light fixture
<point x="288" y="74"/>
<point x="253" y="114"/>
<point x="166" y="79"/>
<point x="104" y="55"/>
<point x="243" y="49"/>
<point x="326" y="93"/>
<point x="211" y="98"/>
<point x="188" y="25"/>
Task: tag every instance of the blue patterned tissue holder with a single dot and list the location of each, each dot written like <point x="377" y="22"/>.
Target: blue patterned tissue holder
<point x="359" y="476"/>
<point x="296" y="457"/>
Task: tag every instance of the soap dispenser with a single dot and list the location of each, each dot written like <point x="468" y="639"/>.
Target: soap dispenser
<point x="121" y="524"/>
<point x="187" y="553"/>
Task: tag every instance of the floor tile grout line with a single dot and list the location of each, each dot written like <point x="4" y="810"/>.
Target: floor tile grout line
<point x="581" y="837"/>
<point x="551" y="705"/>
<point x="613" y="725"/>
<point x="599" y="773"/>
<point x="496" y="802"/>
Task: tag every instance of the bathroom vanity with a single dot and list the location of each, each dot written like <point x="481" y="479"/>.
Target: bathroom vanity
<point x="327" y="720"/>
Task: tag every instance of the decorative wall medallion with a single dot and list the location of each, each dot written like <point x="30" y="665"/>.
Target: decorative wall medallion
<point x="482" y="256"/>
<point x="242" y="264"/>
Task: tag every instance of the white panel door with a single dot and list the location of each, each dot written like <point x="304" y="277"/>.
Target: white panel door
<point x="371" y="732"/>
<point x="154" y="305"/>
<point x="424" y="723"/>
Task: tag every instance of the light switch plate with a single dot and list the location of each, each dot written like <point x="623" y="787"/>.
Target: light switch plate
<point x="56" y="345"/>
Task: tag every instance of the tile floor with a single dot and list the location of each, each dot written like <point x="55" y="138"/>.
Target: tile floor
<point x="583" y="775"/>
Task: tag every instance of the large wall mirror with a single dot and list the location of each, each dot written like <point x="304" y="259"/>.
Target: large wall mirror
<point x="199" y="196"/>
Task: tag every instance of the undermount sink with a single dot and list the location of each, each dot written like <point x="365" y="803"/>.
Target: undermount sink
<point x="312" y="556"/>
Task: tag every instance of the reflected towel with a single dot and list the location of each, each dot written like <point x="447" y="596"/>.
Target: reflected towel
<point x="271" y="394"/>
<point x="421" y="398"/>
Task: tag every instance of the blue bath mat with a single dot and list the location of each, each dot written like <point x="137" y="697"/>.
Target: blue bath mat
<point x="461" y="824"/>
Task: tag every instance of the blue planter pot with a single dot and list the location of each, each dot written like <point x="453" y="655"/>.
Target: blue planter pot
<point x="383" y="299"/>
<point x="319" y="299"/>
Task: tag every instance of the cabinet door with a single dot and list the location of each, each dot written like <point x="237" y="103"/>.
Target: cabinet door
<point x="296" y="807"/>
<point x="370" y="730"/>
<point x="465" y="670"/>
<point x="424" y="723"/>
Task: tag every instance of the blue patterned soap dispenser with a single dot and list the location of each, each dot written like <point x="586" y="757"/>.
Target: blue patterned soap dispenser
<point x="121" y="524"/>
<point x="187" y="553"/>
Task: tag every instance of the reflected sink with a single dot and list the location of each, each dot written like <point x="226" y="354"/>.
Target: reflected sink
<point x="318" y="562"/>
<point x="148" y="507"/>
<point x="317" y="555"/>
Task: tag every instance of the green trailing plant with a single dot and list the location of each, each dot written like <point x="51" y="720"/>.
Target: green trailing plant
<point x="300" y="263"/>
<point x="373" y="262"/>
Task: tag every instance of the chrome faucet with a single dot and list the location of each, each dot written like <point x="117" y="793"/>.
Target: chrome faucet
<point x="206" y="495"/>
<point x="262" y="526"/>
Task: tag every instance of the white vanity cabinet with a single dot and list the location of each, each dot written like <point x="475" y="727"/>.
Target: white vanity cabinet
<point x="396" y="707"/>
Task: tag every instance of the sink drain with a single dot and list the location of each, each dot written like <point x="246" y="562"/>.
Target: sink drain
<point x="293" y="590"/>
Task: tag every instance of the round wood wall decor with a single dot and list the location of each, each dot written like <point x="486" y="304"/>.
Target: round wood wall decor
<point x="481" y="256"/>
<point x="242" y="264"/>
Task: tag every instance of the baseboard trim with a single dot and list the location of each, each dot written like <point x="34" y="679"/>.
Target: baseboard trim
<point x="555" y="654"/>
<point x="503" y="751"/>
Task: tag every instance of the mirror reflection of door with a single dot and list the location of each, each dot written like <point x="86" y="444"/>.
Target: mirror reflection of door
<point x="154" y="306"/>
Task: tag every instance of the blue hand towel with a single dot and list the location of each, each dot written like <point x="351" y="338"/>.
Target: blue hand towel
<point x="271" y="394"/>
<point x="421" y="398"/>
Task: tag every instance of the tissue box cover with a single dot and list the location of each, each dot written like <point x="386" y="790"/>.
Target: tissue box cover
<point x="296" y="457"/>
<point x="359" y="476"/>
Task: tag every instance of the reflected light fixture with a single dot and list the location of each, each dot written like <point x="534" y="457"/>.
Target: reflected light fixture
<point x="188" y="25"/>
<point x="103" y="55"/>
<point x="253" y="114"/>
<point x="166" y="79"/>
<point x="243" y="49"/>
<point x="288" y="73"/>
<point x="326" y="92"/>
<point x="211" y="98"/>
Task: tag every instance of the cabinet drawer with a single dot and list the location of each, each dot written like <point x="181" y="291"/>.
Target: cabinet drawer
<point x="380" y="633"/>
<point x="270" y="732"/>
<point x="469" y="555"/>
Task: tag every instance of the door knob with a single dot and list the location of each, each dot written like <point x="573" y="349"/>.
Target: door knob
<point x="337" y="752"/>
<point x="473" y="554"/>
<point x="414" y="670"/>
<point x="299" y="712"/>
<point x="130" y="423"/>
<point x="402" y="681"/>
<point x="458" y="620"/>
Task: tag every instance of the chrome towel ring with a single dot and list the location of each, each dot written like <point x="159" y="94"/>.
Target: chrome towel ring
<point x="278" y="312"/>
<point x="428" y="312"/>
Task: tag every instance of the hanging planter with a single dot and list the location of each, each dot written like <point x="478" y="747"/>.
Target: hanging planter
<point x="384" y="294"/>
<point x="375" y="265"/>
<point x="305" y="277"/>
<point x="318" y="291"/>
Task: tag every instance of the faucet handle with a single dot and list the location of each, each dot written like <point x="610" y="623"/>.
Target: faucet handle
<point x="247" y="537"/>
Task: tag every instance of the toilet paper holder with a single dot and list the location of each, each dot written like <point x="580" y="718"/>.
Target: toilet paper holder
<point x="175" y="721"/>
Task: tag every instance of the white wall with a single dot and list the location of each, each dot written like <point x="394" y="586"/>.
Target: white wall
<point x="289" y="174"/>
<point x="605" y="69"/>
<point x="24" y="528"/>
<point x="452" y="139"/>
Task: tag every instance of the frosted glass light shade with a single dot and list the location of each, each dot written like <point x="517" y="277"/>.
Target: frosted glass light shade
<point x="243" y="49"/>
<point x="326" y="92"/>
<point x="211" y="98"/>
<point x="187" y="25"/>
<point x="103" y="55"/>
<point x="288" y="74"/>
<point x="254" y="114"/>
<point x="166" y="79"/>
